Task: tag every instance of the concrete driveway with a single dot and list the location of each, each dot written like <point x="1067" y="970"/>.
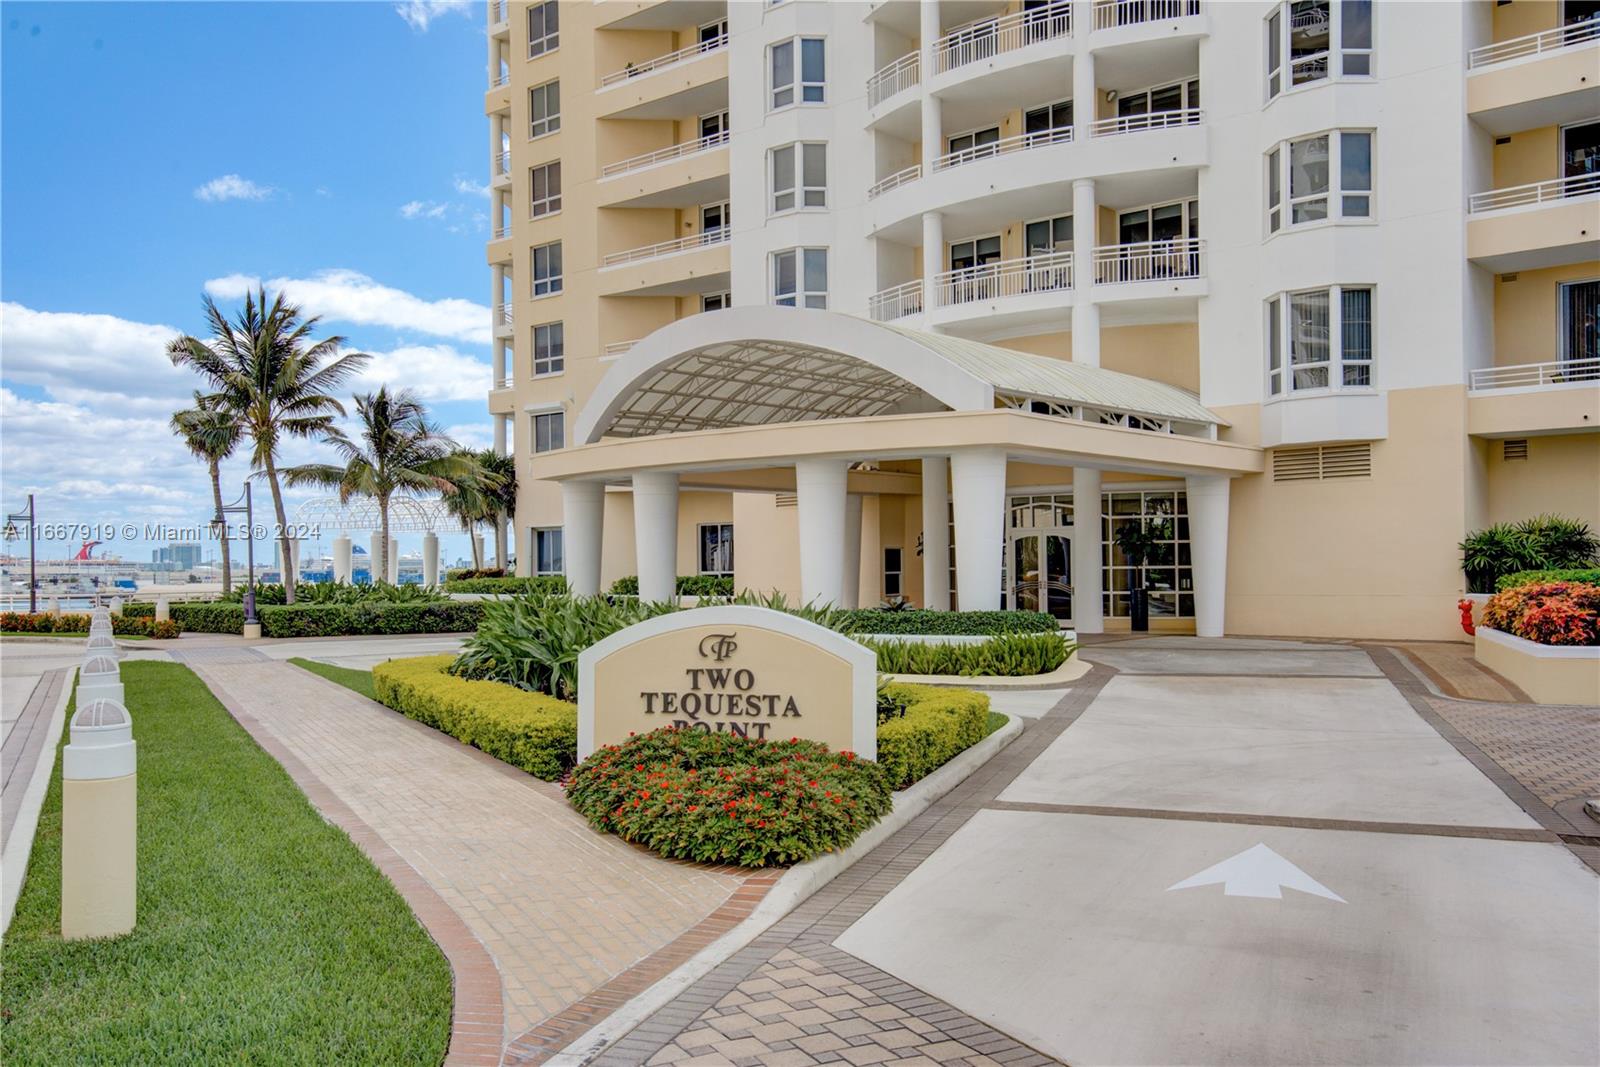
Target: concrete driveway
<point x="1254" y="853"/>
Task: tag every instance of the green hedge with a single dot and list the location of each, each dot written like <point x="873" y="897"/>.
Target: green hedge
<point x="458" y="573"/>
<point x="545" y="583"/>
<point x="1586" y="575"/>
<point x="535" y="732"/>
<point x="341" y="620"/>
<point x="139" y="609"/>
<point x="937" y="724"/>
<point x="1005" y="656"/>
<point x="209" y="618"/>
<point x="970" y="623"/>
<point x="687" y="585"/>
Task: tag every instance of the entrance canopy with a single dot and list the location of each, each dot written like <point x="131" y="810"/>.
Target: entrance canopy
<point x="763" y="366"/>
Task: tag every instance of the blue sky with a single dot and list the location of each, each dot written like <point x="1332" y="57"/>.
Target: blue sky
<point x="152" y="152"/>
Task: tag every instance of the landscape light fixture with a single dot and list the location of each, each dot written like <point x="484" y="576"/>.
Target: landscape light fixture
<point x="220" y="524"/>
<point x="33" y="565"/>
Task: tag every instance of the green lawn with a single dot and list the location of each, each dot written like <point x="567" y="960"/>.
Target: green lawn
<point x="264" y="934"/>
<point x="349" y="677"/>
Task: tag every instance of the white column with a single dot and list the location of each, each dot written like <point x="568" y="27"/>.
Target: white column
<point x="477" y="546"/>
<point x="978" y="485"/>
<point x="394" y="561"/>
<point x="820" y="488"/>
<point x="500" y="423"/>
<point x="499" y="345"/>
<point x="655" y="534"/>
<point x="933" y="261"/>
<point x="1085" y="312"/>
<point x="1088" y="607"/>
<point x="935" y="533"/>
<point x="583" y="510"/>
<point x="1085" y="94"/>
<point x="1208" y="547"/>
<point x="375" y="557"/>
<point x="932" y="113"/>
<point x="430" y="559"/>
<point x="852" y="550"/>
<point x="341" y="559"/>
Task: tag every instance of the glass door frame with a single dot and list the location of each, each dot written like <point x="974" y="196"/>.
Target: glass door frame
<point x="1041" y="584"/>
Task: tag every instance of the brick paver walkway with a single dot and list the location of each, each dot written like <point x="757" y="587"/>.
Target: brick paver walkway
<point x="561" y="909"/>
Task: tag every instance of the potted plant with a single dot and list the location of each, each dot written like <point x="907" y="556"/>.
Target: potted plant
<point x="1139" y="539"/>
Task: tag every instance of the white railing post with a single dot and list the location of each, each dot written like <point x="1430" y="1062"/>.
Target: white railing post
<point x="1150" y="120"/>
<point x="1534" y="193"/>
<point x="663" y="155"/>
<point x="650" y="66"/>
<point x="1149" y="261"/>
<point x="1534" y="44"/>
<point x="993" y="37"/>
<point x="1535" y="375"/>
<point x="667" y="248"/>
<point x="902" y="74"/>
<point x="898" y="178"/>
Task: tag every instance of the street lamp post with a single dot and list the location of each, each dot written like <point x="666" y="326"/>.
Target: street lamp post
<point x="221" y="524"/>
<point x="11" y="535"/>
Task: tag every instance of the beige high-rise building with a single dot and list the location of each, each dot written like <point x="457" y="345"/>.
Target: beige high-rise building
<point x="858" y="301"/>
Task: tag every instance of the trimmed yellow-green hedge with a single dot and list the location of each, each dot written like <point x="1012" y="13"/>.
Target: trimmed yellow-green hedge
<point x="937" y="724"/>
<point x="533" y="731"/>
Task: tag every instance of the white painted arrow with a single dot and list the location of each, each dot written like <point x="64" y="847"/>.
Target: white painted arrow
<point x="1257" y="872"/>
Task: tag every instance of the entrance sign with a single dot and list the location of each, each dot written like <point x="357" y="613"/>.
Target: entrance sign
<point x="750" y="671"/>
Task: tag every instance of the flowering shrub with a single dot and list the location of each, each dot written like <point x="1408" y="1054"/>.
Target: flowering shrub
<point x="1465" y="606"/>
<point x="720" y="798"/>
<point x="1551" y="613"/>
<point x="21" y="622"/>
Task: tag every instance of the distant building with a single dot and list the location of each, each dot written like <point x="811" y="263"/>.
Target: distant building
<point x="177" y="556"/>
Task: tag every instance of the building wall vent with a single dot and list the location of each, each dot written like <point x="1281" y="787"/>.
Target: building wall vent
<point x="1321" y="463"/>
<point x="1514" y="449"/>
<point x="787" y="500"/>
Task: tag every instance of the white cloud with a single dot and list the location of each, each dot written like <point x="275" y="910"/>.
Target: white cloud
<point x="435" y="372"/>
<point x="82" y="358"/>
<point x="232" y="187"/>
<point x="419" y="14"/>
<point x="349" y="296"/>
<point x="469" y="187"/>
<point x="423" y="209"/>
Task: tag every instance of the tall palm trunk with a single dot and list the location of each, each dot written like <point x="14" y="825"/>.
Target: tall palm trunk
<point x="472" y="539"/>
<point x="216" y="496"/>
<point x="499" y="542"/>
<point x="283" y="530"/>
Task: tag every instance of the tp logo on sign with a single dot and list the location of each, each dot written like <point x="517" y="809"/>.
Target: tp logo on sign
<point x="718" y="647"/>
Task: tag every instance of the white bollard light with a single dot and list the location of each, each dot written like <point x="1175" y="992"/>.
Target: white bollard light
<point x="55" y="605"/>
<point x="163" y="609"/>
<point x="99" y="678"/>
<point x="103" y="644"/>
<point x="116" y="605"/>
<point x="99" y="823"/>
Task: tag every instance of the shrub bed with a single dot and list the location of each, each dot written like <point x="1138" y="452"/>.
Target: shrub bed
<point x="342" y="620"/>
<point x="22" y="622"/>
<point x="209" y="618"/>
<point x="718" y="798"/>
<point x="535" y="732"/>
<point x="687" y="585"/>
<point x="547" y="584"/>
<point x="456" y="573"/>
<point x="1550" y="613"/>
<point x="1581" y="575"/>
<point x="336" y="593"/>
<point x="934" y="726"/>
<point x="1009" y="655"/>
<point x="918" y="621"/>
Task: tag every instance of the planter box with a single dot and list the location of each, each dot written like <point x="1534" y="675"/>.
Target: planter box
<point x="1550" y="674"/>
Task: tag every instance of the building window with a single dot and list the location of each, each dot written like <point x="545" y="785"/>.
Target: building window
<point x="543" y="28"/>
<point x="1044" y="236"/>
<point x="1319" y="39"/>
<point x="1047" y="124"/>
<point x="545" y="185"/>
<point x="1168" y="574"/>
<point x="546" y="269"/>
<point x="1175" y="97"/>
<point x="974" y="145"/>
<point x="1319" y="339"/>
<point x="1328" y="176"/>
<point x="549" y="431"/>
<point x="548" y="555"/>
<point x="713" y="35"/>
<point x="714" y="125"/>
<point x="799" y="176"/>
<point x="800" y="278"/>
<point x="716" y="301"/>
<point x="893" y="569"/>
<point x="714" y="222"/>
<point x="1580" y="319"/>
<point x="812" y="76"/>
<point x="549" y="349"/>
<point x="716" y="548"/>
<point x="544" y="109"/>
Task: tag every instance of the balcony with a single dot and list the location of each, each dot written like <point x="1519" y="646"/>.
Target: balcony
<point x="503" y="326"/>
<point x="1541" y="224"/>
<point x="894" y="181"/>
<point x="1534" y="398"/>
<point x="692" y="80"/>
<point x="1151" y="120"/>
<point x="500" y="172"/>
<point x="997" y="37"/>
<point x="1172" y="271"/>
<point x="616" y="350"/>
<point x="1021" y="142"/>
<point x="889" y="105"/>
<point x="680" y="175"/>
<point x="498" y="250"/>
<point x="1541" y="79"/>
<point x="1115" y="14"/>
<point x="499" y="18"/>
<point x="896" y="302"/>
<point x="1005" y="297"/>
<point x="656" y="14"/>
<point x="698" y="263"/>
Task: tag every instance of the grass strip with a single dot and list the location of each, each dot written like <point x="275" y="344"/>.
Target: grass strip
<point x="358" y="681"/>
<point x="264" y="934"/>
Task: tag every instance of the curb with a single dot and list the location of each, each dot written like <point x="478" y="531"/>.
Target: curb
<point x="792" y="888"/>
<point x="1069" y="672"/>
<point x="20" y="850"/>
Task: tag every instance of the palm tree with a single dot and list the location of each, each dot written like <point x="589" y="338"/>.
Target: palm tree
<point x="487" y="494"/>
<point x="211" y="432"/>
<point x="265" y="368"/>
<point x="399" y="451"/>
<point x="500" y="479"/>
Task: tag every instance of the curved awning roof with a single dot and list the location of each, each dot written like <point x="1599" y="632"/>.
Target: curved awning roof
<point x="757" y="366"/>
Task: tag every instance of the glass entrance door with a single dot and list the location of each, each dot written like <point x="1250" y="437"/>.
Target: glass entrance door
<point x="1040" y="569"/>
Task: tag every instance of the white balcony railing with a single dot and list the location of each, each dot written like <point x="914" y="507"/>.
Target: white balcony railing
<point x="898" y="178"/>
<point x="504" y="383"/>
<point x="502" y="162"/>
<point x="664" y="155"/>
<point x="650" y="66"/>
<point x="1109" y="14"/>
<point x="1561" y="372"/>
<point x="993" y="37"/>
<point x="1150" y="261"/>
<point x="1021" y="142"/>
<point x="1150" y="120"/>
<point x="717" y="236"/>
<point x="1534" y="44"/>
<point x="1534" y="193"/>
<point x="502" y="231"/>
<point x="499" y="12"/>
<point x="499" y="79"/>
<point x="1048" y="272"/>
<point x="502" y="314"/>
<point x="903" y="73"/>
<point x="896" y="303"/>
<point x="617" y="348"/>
